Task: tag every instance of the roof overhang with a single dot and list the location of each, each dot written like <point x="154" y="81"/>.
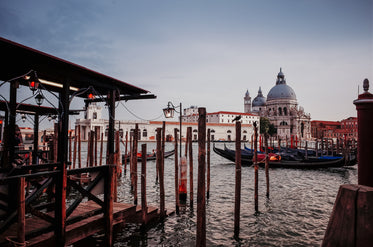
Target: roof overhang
<point x="18" y="60"/>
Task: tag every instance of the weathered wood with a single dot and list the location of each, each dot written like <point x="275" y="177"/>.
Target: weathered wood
<point x="144" y="206"/>
<point x="74" y="150"/>
<point x="95" y="135"/>
<point x="70" y="142"/>
<point x="125" y="154"/>
<point x="79" y="148"/>
<point x="208" y="162"/>
<point x="161" y="176"/>
<point x="237" y="192"/>
<point x="266" y="163"/>
<point x="108" y="202"/>
<point x="101" y="147"/>
<point x="201" y="195"/>
<point x="256" y="167"/>
<point x="21" y="233"/>
<point x="176" y="173"/>
<point x="191" y="179"/>
<point x="135" y="141"/>
<point x="350" y="223"/>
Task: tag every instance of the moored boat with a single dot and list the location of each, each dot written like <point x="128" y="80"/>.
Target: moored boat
<point x="149" y="156"/>
<point x="309" y="163"/>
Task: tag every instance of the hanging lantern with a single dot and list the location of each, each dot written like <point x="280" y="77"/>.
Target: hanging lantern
<point x="169" y="111"/>
<point x="33" y="81"/>
<point x="39" y="98"/>
<point x="23" y="117"/>
<point x="91" y="96"/>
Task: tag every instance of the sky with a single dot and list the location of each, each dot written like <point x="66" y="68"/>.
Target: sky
<point x="207" y="53"/>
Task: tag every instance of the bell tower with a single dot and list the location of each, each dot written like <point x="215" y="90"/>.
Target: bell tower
<point x="247" y="102"/>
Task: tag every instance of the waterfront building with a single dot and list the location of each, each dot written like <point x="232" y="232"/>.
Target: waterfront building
<point x="220" y="123"/>
<point x="322" y="129"/>
<point x="282" y="110"/>
<point x="344" y="129"/>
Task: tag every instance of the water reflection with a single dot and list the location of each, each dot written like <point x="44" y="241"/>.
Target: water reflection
<point x="296" y="213"/>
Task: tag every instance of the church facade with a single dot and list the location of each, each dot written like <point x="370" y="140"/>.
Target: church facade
<point x="281" y="108"/>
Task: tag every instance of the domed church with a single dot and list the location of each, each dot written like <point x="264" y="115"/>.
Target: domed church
<point x="282" y="110"/>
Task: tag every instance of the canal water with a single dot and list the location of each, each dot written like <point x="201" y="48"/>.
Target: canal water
<point x="295" y="214"/>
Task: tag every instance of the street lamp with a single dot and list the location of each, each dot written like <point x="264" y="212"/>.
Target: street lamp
<point x="39" y="98"/>
<point x="169" y="113"/>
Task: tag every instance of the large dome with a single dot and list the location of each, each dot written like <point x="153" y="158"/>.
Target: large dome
<point x="281" y="90"/>
<point x="259" y="100"/>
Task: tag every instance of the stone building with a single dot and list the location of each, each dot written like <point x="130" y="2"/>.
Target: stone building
<point x="282" y="110"/>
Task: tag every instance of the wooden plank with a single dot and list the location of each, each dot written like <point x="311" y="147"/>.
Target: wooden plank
<point x="339" y="232"/>
<point x="364" y="216"/>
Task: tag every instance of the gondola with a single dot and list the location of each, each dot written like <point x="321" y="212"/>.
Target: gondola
<point x="310" y="163"/>
<point x="149" y="156"/>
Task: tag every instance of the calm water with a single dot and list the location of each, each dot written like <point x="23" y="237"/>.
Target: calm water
<point x="296" y="214"/>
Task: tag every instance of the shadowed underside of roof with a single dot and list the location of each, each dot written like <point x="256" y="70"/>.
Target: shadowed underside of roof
<point x="18" y="60"/>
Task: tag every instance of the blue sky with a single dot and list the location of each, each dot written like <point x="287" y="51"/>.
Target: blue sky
<point x="208" y="53"/>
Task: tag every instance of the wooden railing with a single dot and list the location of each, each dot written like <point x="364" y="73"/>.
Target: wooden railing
<point x="32" y="190"/>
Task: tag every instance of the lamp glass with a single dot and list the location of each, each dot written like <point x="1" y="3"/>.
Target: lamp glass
<point x="169" y="112"/>
<point x="39" y="99"/>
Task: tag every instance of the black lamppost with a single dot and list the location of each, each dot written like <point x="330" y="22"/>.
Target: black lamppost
<point x="169" y="113"/>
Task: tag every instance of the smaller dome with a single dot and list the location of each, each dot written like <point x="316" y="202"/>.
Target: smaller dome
<point x="247" y="93"/>
<point x="259" y="100"/>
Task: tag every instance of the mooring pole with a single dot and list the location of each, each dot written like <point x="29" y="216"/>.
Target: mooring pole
<point x="144" y="207"/>
<point x="176" y="174"/>
<point x="266" y="162"/>
<point x="256" y="166"/>
<point x="189" y="139"/>
<point x="237" y="196"/>
<point x="208" y="162"/>
<point x="201" y="196"/>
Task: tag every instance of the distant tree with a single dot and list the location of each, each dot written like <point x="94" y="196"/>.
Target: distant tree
<point x="267" y="127"/>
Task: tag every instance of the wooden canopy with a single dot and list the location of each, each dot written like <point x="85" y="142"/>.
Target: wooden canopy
<point x="18" y="60"/>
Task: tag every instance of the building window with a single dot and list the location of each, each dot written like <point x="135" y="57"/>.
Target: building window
<point x="94" y="116"/>
<point x="145" y="133"/>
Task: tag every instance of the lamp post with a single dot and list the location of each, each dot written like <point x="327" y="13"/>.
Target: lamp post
<point x="169" y="113"/>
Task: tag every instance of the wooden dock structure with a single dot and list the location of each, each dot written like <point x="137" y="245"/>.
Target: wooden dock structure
<point x="35" y="202"/>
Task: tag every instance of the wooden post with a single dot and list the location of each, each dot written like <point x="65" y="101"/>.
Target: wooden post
<point x="88" y="150"/>
<point x="159" y="153"/>
<point x="144" y="207"/>
<point x="189" y="139"/>
<point x="101" y="147"/>
<point x="237" y="194"/>
<point x="266" y="162"/>
<point x="108" y="203"/>
<point x="161" y="175"/>
<point x="21" y="229"/>
<point x="135" y="139"/>
<point x="95" y="135"/>
<point x="176" y="173"/>
<point x="131" y="160"/>
<point x="201" y="200"/>
<point x="317" y="148"/>
<point x="70" y="141"/>
<point x="256" y="167"/>
<point x="208" y="162"/>
<point x="79" y="149"/>
<point x="125" y="154"/>
<point x="306" y="148"/>
<point x="74" y="150"/>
